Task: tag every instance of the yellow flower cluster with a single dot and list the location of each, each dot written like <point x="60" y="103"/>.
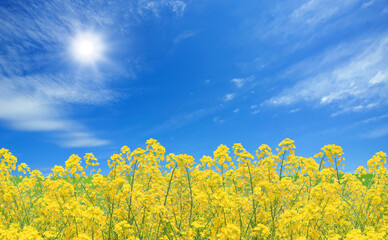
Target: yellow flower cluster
<point x="151" y="195"/>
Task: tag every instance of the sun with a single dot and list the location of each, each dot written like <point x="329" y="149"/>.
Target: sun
<point x="87" y="48"/>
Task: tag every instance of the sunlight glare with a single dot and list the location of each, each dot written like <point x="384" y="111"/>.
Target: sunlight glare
<point x="87" y="48"/>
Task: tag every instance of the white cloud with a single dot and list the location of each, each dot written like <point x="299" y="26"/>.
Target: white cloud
<point x="253" y="106"/>
<point x="373" y="119"/>
<point x="43" y="124"/>
<point x="228" y="97"/>
<point x="367" y="4"/>
<point x="81" y="139"/>
<point x="352" y="83"/>
<point x="184" y="35"/>
<point x="84" y="142"/>
<point x="30" y="115"/>
<point x="378" y="78"/>
<point x="294" y="110"/>
<point x="149" y="6"/>
<point x="178" y="121"/>
<point x="218" y="120"/>
<point x="36" y="104"/>
<point x="257" y="63"/>
<point x="381" y="131"/>
<point x="154" y="7"/>
<point x="178" y="7"/>
<point x="239" y="82"/>
<point x="236" y="110"/>
<point x="297" y="24"/>
<point x="315" y="12"/>
<point x="256" y="112"/>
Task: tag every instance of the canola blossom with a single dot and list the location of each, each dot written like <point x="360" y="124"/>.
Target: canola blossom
<point x="151" y="195"/>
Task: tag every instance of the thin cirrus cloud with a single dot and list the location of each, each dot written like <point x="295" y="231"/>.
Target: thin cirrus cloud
<point x="33" y="36"/>
<point x="184" y="35"/>
<point x="315" y="12"/>
<point x="368" y="4"/>
<point x="308" y="21"/>
<point x="179" y="121"/>
<point x="147" y="7"/>
<point x="355" y="81"/>
<point x="377" y="132"/>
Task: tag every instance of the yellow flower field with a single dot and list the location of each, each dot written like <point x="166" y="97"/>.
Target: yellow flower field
<point x="148" y="195"/>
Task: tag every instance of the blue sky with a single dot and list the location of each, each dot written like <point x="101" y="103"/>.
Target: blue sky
<point x="193" y="75"/>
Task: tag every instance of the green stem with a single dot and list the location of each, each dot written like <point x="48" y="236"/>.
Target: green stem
<point x="336" y="168"/>
<point x="253" y="198"/>
<point x="281" y="166"/>
<point x="320" y="164"/>
<point x="191" y="196"/>
<point x="130" y="198"/>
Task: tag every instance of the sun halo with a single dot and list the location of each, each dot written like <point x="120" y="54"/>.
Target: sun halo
<point x="87" y="48"/>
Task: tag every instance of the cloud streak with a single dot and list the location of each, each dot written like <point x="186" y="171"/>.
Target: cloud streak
<point x="38" y="103"/>
<point x="299" y="24"/>
<point x="184" y="35"/>
<point x="357" y="82"/>
<point x="316" y="12"/>
<point x="381" y="131"/>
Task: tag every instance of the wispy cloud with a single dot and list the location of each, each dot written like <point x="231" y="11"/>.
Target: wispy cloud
<point x="218" y="120"/>
<point x="228" y="97"/>
<point x="155" y="7"/>
<point x="178" y="7"/>
<point x="149" y="6"/>
<point x="240" y="82"/>
<point x="315" y="12"/>
<point x="38" y="103"/>
<point x="380" y="131"/>
<point x="368" y="4"/>
<point x="178" y="121"/>
<point x="256" y="111"/>
<point x="354" y="83"/>
<point x="81" y="139"/>
<point x="297" y="24"/>
<point x="236" y="110"/>
<point x="184" y="35"/>
<point x="257" y="63"/>
<point x="373" y="119"/>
